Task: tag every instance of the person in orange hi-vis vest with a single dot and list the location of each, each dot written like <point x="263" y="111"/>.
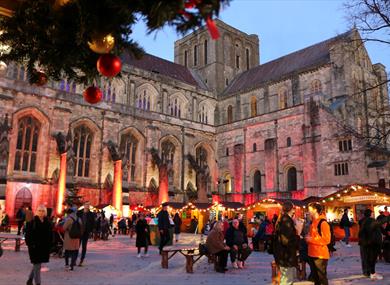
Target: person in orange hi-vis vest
<point x="318" y="238"/>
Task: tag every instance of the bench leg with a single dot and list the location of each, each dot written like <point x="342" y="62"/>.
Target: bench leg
<point x="301" y="271"/>
<point x="17" y="244"/>
<point x="189" y="263"/>
<point x="164" y="259"/>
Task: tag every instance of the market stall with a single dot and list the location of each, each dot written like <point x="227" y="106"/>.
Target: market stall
<point x="269" y="208"/>
<point x="356" y="198"/>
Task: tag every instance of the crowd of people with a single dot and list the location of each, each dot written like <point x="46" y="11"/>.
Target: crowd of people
<point x="313" y="242"/>
<point x="289" y="239"/>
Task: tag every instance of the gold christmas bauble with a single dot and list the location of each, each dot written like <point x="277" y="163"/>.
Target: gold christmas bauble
<point x="102" y="44"/>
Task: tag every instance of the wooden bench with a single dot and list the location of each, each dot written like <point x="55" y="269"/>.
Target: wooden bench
<point x="170" y="251"/>
<point x="191" y="254"/>
<point x="18" y="239"/>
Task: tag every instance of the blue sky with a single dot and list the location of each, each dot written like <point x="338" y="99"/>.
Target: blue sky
<point x="283" y="26"/>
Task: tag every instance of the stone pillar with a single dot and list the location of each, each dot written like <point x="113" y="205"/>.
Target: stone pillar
<point x="202" y="188"/>
<point x="163" y="185"/>
<point x="61" y="184"/>
<point x="238" y="166"/>
<point x="117" y="187"/>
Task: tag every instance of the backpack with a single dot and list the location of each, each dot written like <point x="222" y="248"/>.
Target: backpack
<point x="332" y="242"/>
<point x="75" y="229"/>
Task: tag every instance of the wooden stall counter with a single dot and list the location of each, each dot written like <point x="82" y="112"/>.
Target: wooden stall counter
<point x="339" y="232"/>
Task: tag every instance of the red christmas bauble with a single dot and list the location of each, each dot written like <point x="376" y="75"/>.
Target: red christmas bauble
<point x="92" y="95"/>
<point x="41" y="78"/>
<point x="109" y="65"/>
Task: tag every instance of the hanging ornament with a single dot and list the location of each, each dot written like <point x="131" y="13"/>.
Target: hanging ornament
<point x="212" y="27"/>
<point x="59" y="3"/>
<point x="102" y="44"/>
<point x="191" y="4"/>
<point x="92" y="95"/>
<point x="109" y="65"/>
<point x="40" y="78"/>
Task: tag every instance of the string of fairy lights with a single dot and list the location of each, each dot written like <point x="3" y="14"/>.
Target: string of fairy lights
<point x="337" y="196"/>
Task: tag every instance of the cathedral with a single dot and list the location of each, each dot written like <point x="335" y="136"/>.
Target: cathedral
<point x="214" y="125"/>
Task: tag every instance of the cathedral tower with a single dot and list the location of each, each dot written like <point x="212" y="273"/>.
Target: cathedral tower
<point x="218" y="61"/>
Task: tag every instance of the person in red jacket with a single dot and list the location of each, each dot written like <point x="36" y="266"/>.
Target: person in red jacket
<point x="318" y="238"/>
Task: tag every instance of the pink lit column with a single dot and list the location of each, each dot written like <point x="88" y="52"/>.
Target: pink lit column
<point x="61" y="184"/>
<point x="163" y="185"/>
<point x="117" y="187"/>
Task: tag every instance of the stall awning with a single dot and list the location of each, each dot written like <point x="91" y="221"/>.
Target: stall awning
<point x="232" y="205"/>
<point x="358" y="193"/>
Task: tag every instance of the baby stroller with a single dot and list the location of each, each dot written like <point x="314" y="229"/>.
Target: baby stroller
<point x="58" y="241"/>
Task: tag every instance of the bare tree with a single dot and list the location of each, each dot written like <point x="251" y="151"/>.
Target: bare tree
<point x="367" y="107"/>
<point x="371" y="18"/>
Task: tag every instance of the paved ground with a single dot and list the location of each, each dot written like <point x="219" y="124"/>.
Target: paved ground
<point x="114" y="262"/>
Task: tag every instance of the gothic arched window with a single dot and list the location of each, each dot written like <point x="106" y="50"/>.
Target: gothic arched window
<point x="288" y="142"/>
<point x="168" y="151"/>
<point x="316" y="86"/>
<point x="282" y="98"/>
<point x="128" y="147"/>
<point x="82" y="144"/>
<point x="27" y="144"/>
<point x="201" y="156"/>
<point x="230" y="114"/>
<point x="292" y="179"/>
<point x="257" y="182"/>
<point x="228" y="183"/>
<point x="253" y="107"/>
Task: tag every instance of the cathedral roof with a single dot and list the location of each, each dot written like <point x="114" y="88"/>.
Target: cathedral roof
<point x="164" y="67"/>
<point x="280" y="68"/>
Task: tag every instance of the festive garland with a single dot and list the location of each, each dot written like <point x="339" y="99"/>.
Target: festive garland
<point x="81" y="39"/>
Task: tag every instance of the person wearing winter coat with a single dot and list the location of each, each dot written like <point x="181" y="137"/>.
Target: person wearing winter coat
<point x="346" y="225"/>
<point x="237" y="240"/>
<point x="163" y="226"/>
<point x="39" y="238"/>
<point x="178" y="222"/>
<point x="88" y="220"/>
<point x="286" y="242"/>
<point x="71" y="245"/>
<point x="370" y="242"/>
<point x="142" y="239"/>
<point x="215" y="245"/>
<point x="318" y="245"/>
<point x="20" y="218"/>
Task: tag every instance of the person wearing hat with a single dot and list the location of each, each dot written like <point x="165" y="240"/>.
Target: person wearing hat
<point x="163" y="226"/>
<point x="286" y="244"/>
<point x="370" y="242"/>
